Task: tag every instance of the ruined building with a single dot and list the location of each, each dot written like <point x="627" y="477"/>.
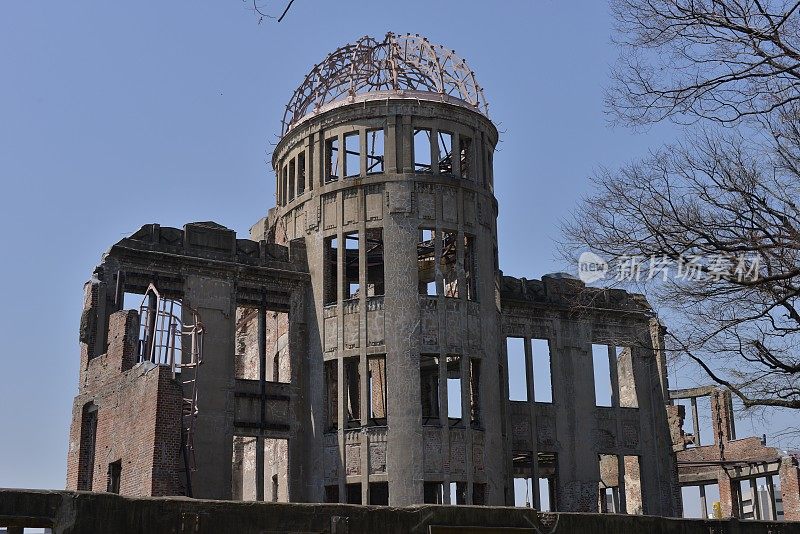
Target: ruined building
<point x="363" y="345"/>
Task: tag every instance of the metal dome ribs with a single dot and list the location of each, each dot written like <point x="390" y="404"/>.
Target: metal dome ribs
<point x="396" y="64"/>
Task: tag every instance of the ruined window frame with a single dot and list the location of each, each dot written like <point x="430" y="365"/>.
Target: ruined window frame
<point x="422" y="165"/>
<point x="376" y="160"/>
<point x="377" y="414"/>
<point x="425" y="287"/>
<point x="375" y="262"/>
<point x="429" y="370"/>
<point x="352" y="155"/>
<point x="448" y="263"/>
<point x="444" y="143"/>
<point x="332" y="157"/>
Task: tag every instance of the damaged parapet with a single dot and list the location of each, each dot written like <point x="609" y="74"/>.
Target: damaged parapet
<point x="587" y="429"/>
<point x="147" y="420"/>
<point x="752" y="480"/>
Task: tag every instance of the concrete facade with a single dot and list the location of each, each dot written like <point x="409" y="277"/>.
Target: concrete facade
<point x="356" y="349"/>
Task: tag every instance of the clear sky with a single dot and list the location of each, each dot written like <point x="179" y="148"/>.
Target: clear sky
<point x="114" y="115"/>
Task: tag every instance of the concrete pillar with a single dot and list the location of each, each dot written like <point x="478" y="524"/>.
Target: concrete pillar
<point x="404" y="454"/>
<point x="213" y="439"/>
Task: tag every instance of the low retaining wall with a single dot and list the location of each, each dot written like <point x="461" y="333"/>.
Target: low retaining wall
<point x="71" y="512"/>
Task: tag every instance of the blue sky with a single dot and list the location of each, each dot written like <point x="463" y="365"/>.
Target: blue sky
<point x="113" y="115"/>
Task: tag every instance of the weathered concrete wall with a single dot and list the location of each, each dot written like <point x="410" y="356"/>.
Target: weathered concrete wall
<point x="88" y="513"/>
<point x="572" y="317"/>
<point x="399" y="323"/>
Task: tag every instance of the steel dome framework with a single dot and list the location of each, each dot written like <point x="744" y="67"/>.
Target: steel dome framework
<point x="398" y="63"/>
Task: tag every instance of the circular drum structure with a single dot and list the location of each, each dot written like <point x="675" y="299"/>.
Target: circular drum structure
<point x="384" y="169"/>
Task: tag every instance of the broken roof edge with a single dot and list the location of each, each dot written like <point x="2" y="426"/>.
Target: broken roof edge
<point x="563" y="289"/>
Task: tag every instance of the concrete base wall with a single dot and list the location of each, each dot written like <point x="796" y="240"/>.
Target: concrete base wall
<point x="72" y="512"/>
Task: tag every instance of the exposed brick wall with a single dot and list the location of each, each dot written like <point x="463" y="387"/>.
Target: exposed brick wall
<point x="138" y="418"/>
<point x="790" y="488"/>
<point x="749" y="449"/>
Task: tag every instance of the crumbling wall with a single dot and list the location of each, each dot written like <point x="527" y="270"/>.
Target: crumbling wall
<point x="137" y="418"/>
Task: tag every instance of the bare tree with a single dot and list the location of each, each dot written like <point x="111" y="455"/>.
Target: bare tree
<point x="721" y="206"/>
<point x="725" y="213"/>
<point x="705" y="59"/>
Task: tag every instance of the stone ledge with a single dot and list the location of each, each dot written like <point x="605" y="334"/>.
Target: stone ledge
<point x="70" y="512"/>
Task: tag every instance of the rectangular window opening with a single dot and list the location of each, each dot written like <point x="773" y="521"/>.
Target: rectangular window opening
<point x="375" y="151"/>
<point x="352" y="160"/>
<point x="458" y="493"/>
<point x="301" y="173"/>
<point x="517" y="374"/>
<point x="433" y="493"/>
<point x="447" y="264"/>
<point x="469" y="267"/>
<point x="429" y="387"/>
<point x="88" y="444"/>
<point x="332" y="493"/>
<point x="548" y="476"/>
<point x="292" y="170"/>
<point x="375" y="269"/>
<point x="331" y="395"/>
<point x="479" y="494"/>
<point x="445" y="143"/>
<point x="522" y="464"/>
<point x="353" y="493"/>
<point x="285" y="193"/>
<point x="475" y="392"/>
<point x="114" y="476"/>
<point x="542" y="370"/>
<point x="351" y="262"/>
<point x="426" y="262"/>
<point x="352" y="379"/>
<point x="377" y="389"/>
<point x="454" y="388"/>
<point x="465" y="149"/>
<point x="422" y="150"/>
<point x="278" y="347"/>
<point x="331" y="278"/>
<point x="608" y="501"/>
<point x="625" y="378"/>
<point x="602" y="375"/>
<point x="379" y="493"/>
<point x="247" y="365"/>
<point x="331" y="159"/>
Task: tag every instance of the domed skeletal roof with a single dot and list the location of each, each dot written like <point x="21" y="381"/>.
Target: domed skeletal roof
<point x="399" y="64"/>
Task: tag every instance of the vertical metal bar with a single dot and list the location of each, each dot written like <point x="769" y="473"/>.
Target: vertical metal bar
<point x="703" y="503"/>
<point x="622" y="500"/>
<point x="152" y="302"/>
<point x="262" y="375"/>
<point x="695" y="422"/>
